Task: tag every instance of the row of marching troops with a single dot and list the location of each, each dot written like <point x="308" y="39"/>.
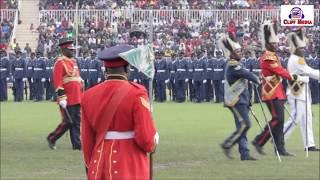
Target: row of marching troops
<point x="31" y="77"/>
<point x="201" y="79"/>
<point x="196" y="78"/>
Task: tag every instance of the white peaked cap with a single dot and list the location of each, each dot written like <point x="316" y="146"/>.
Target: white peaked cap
<point x="268" y="34"/>
<point x="296" y="40"/>
<point x="228" y="45"/>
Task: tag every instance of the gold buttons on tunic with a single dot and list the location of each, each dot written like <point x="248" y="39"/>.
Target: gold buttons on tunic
<point x="92" y="172"/>
<point x="114" y="161"/>
<point x="116" y="172"/>
<point x="114" y="151"/>
<point x="95" y="161"/>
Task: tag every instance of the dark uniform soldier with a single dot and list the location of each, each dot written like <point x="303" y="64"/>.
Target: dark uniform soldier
<point x="94" y="70"/>
<point x="4" y="75"/>
<point x="29" y="75"/>
<point x="68" y="85"/>
<point x="84" y="71"/>
<point x="181" y="69"/>
<point x="272" y="91"/>
<point x="39" y="69"/>
<point x="314" y="63"/>
<point x="191" y="90"/>
<point x="199" y="78"/>
<point x="18" y="72"/>
<point x="209" y="77"/>
<point x="171" y="85"/>
<point x="218" y="77"/>
<point x="161" y="78"/>
<point x="48" y="84"/>
<point x="236" y="78"/>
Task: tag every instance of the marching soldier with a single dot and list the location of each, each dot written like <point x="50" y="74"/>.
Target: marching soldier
<point x="94" y="70"/>
<point x="237" y="97"/>
<point x="29" y="75"/>
<point x="84" y="71"/>
<point x="39" y="69"/>
<point x="181" y="79"/>
<point x="199" y="78"/>
<point x="18" y="72"/>
<point x="162" y="78"/>
<point x="4" y="75"/>
<point x="218" y="77"/>
<point x="299" y="94"/>
<point x="209" y="78"/>
<point x="117" y="140"/>
<point x="273" y="93"/>
<point x="48" y="77"/>
<point x="67" y="83"/>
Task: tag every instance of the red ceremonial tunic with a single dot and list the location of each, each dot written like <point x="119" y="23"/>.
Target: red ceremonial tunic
<point x="271" y="67"/>
<point x="117" y="159"/>
<point x="66" y="76"/>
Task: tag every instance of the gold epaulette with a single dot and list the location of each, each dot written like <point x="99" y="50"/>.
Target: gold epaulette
<point x="233" y="62"/>
<point x="270" y="56"/>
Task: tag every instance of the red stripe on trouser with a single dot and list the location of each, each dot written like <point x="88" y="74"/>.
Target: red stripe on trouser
<point x="266" y="134"/>
<point x="62" y="127"/>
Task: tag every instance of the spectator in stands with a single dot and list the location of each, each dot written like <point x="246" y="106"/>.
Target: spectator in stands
<point x="27" y="49"/>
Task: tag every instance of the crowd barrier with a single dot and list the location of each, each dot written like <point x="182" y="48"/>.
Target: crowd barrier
<point x="147" y="16"/>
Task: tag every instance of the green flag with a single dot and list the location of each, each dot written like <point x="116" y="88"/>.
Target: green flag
<point x="141" y="58"/>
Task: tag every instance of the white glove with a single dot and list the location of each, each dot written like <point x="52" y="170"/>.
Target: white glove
<point x="49" y="80"/>
<point x="43" y="79"/>
<point x="31" y="80"/>
<point x="223" y="81"/>
<point x="268" y="78"/>
<point x="99" y="80"/>
<point x="7" y="78"/>
<point x="166" y="81"/>
<point x="24" y="79"/>
<point x="156" y="138"/>
<point x="304" y="79"/>
<point x="103" y="68"/>
<point x="204" y="81"/>
<point x="63" y="103"/>
<point x="186" y="80"/>
<point x="192" y="81"/>
<point x="135" y="80"/>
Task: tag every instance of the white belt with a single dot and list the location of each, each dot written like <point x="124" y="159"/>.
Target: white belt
<point x="181" y="69"/>
<point x="92" y="70"/>
<point x="29" y="67"/>
<point x="190" y="70"/>
<point x="198" y="69"/>
<point x="172" y="71"/>
<point x="84" y="70"/>
<point x="119" y="135"/>
<point x="131" y="69"/>
<point x="19" y="69"/>
<point x="48" y="68"/>
<point x="256" y="70"/>
<point x="218" y="69"/>
<point x="209" y="69"/>
<point x="3" y="69"/>
<point x="161" y="70"/>
<point x="37" y="69"/>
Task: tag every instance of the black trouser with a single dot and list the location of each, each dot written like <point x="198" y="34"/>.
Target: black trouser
<point x="3" y="89"/>
<point x="18" y="90"/>
<point x="74" y="128"/>
<point x="276" y="107"/>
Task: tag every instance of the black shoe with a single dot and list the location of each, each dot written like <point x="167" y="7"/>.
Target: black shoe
<point x="248" y="158"/>
<point x="312" y="148"/>
<point x="51" y="144"/>
<point x="76" y="148"/>
<point x="286" y="153"/>
<point x="226" y="151"/>
<point x="259" y="149"/>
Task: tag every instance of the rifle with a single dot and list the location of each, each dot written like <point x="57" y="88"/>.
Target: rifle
<point x="26" y="89"/>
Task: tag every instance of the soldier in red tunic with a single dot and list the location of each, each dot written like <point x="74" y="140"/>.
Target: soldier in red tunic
<point x="117" y="128"/>
<point x="273" y="93"/>
<point x="67" y="83"/>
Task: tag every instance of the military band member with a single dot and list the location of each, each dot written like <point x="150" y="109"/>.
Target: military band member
<point x="236" y="97"/>
<point x="299" y="96"/>
<point x="67" y="83"/>
<point x="273" y="93"/>
<point x="117" y="131"/>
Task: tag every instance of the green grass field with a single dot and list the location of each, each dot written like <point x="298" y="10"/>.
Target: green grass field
<point x="190" y="135"/>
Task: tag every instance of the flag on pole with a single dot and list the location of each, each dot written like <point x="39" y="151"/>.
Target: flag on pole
<point x="141" y="58"/>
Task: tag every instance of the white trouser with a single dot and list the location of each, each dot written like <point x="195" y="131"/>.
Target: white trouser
<point x="299" y="116"/>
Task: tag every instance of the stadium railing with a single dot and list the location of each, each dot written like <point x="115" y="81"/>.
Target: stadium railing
<point x="142" y="15"/>
<point x="9" y="14"/>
